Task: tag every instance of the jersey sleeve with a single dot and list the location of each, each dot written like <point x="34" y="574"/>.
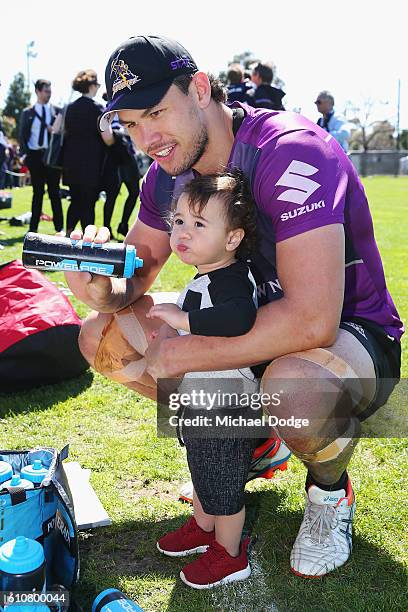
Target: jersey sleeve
<point x="149" y="213"/>
<point x="300" y="184"/>
<point x="233" y="312"/>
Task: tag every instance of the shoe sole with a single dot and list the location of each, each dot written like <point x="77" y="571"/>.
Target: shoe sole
<point x="305" y="575"/>
<point x="182" y="553"/>
<point x="270" y="471"/>
<point x="241" y="575"/>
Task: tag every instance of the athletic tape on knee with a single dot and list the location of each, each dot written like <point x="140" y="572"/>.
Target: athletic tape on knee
<point x="335" y="364"/>
<point x="132" y="330"/>
<point x="330" y="362"/>
<point x="329" y="453"/>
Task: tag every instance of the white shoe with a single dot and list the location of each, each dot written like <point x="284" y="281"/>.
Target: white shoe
<point x="324" y="539"/>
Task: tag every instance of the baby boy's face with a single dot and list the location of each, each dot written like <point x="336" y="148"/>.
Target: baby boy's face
<point x="200" y="238"/>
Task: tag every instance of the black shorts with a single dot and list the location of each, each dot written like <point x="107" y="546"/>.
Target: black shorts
<point x="219" y="470"/>
<point x="385" y="352"/>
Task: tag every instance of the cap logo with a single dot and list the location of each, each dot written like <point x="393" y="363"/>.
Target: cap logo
<point x="123" y="76"/>
<point x="182" y="62"/>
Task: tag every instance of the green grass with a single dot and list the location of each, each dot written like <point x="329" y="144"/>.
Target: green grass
<point x="136" y="475"/>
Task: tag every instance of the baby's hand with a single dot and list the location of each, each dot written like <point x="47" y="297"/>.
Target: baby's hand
<point x="170" y="314"/>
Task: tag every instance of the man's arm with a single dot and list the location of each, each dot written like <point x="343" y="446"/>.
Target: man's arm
<point x="311" y="272"/>
<point x="106" y="294"/>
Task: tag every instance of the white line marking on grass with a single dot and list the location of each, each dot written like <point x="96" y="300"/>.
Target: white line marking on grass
<point x="251" y="594"/>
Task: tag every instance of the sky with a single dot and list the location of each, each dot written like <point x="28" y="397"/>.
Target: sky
<point x="355" y="49"/>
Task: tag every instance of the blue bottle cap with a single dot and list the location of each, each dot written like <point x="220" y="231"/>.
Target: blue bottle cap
<point x="16" y="481"/>
<point x="21" y="556"/>
<point x="6" y="471"/>
<point x="131" y="262"/>
<point x="130" y="605"/>
<point x="35" y="472"/>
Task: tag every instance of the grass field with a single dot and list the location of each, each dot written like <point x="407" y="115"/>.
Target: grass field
<point x="136" y="475"/>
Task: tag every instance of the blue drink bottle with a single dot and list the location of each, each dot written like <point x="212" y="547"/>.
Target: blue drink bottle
<point x="35" y="472"/>
<point x="6" y="471"/>
<point x="54" y="253"/>
<point x="112" y="600"/>
<point x="22" y="565"/>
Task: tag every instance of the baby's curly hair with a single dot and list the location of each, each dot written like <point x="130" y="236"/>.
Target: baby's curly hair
<point x="239" y="206"/>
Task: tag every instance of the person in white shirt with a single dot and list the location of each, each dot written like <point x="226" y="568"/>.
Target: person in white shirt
<point x="330" y="121"/>
<point x="35" y="130"/>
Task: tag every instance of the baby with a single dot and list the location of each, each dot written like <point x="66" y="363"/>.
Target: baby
<point x="214" y="229"/>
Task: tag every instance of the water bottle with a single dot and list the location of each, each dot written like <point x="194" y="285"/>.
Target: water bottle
<point x="17" y="481"/>
<point x="35" y="472"/>
<point x="112" y="600"/>
<point x="22" y="565"/>
<point x="6" y="471"/>
<point x="55" y="253"/>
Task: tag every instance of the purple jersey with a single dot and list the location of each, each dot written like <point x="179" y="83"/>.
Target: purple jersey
<point x="300" y="179"/>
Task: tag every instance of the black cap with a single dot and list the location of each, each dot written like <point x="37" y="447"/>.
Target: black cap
<point x="140" y="71"/>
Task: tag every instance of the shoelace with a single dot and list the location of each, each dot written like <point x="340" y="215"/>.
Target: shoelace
<point x="322" y="520"/>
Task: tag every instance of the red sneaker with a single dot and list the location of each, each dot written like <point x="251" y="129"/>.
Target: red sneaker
<point x="186" y="540"/>
<point x="216" y="566"/>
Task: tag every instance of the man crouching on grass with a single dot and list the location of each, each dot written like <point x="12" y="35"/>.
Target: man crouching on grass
<point x="325" y="316"/>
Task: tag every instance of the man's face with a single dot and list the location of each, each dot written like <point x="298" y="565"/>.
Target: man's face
<point x="44" y="94"/>
<point x="323" y="105"/>
<point x="173" y="132"/>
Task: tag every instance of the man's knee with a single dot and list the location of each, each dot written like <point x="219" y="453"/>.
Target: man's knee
<point x="313" y="389"/>
<point x="91" y="334"/>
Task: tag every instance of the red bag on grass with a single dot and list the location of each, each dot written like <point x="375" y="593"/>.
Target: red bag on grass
<point x="38" y="331"/>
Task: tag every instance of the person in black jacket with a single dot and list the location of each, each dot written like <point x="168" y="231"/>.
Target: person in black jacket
<point x="265" y="96"/>
<point x="237" y="87"/>
<point x="35" y="129"/>
<point x="84" y="151"/>
<point x="120" y="167"/>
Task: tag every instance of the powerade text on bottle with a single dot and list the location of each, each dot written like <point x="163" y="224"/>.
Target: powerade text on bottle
<point x="113" y="600"/>
<point x="54" y="253"/>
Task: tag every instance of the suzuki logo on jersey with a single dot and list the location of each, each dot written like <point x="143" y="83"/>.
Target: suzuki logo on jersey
<point x="295" y="176"/>
<point x="302" y="210"/>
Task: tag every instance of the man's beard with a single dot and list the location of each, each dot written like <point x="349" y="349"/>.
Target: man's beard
<point x="192" y="158"/>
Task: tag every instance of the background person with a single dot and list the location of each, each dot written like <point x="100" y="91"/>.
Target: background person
<point x="332" y="122"/>
<point x="35" y="129"/>
<point x="237" y="88"/>
<point x="120" y="167"/>
<point x="84" y="151"/>
<point x="264" y="94"/>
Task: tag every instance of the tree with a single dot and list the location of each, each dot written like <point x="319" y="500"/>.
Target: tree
<point x="404" y="139"/>
<point x="375" y="136"/>
<point x="7" y="125"/>
<point x="18" y="98"/>
<point x="368" y="134"/>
